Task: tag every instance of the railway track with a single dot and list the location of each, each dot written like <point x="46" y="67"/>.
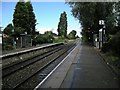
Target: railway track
<point x="29" y="73"/>
<point x="17" y="66"/>
<point x="20" y="56"/>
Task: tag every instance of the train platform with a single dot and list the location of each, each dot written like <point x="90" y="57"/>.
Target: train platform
<point x="26" y="48"/>
<point x="82" y="68"/>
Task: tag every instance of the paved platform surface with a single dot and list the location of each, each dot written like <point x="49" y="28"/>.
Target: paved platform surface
<point x="83" y="68"/>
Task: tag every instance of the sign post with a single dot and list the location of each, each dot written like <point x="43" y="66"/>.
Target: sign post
<point x="101" y="33"/>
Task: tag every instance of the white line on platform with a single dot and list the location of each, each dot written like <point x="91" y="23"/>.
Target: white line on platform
<point x="53" y="70"/>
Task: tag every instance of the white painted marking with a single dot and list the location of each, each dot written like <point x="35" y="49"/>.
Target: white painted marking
<point x="78" y="68"/>
<point x="53" y="70"/>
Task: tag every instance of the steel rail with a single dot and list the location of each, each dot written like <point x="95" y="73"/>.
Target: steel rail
<point x="49" y="63"/>
<point x="13" y="68"/>
<point x="52" y="53"/>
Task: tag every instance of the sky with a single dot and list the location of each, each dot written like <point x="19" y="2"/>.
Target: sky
<point x="47" y="16"/>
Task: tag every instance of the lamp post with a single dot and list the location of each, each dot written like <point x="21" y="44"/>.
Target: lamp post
<point x="14" y="42"/>
<point x="26" y="39"/>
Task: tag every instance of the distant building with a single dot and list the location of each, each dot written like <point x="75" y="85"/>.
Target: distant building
<point x="0" y="37"/>
<point x="0" y="40"/>
<point x="23" y="41"/>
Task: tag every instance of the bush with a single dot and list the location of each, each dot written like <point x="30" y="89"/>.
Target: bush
<point x="60" y="39"/>
<point x="43" y="38"/>
<point x="7" y="43"/>
<point x="115" y="44"/>
<point x="8" y="47"/>
<point x="106" y="47"/>
<point x="113" y="60"/>
<point x="84" y="39"/>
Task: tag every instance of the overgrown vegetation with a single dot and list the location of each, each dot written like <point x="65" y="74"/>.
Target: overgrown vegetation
<point x="89" y="14"/>
<point x="47" y="37"/>
<point x="112" y="50"/>
<point x="7" y="43"/>
<point x="60" y="39"/>
<point x="72" y="35"/>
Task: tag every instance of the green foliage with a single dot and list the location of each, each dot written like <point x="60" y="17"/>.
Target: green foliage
<point x="24" y="17"/>
<point x="31" y="21"/>
<point x="112" y="48"/>
<point x="62" y="25"/>
<point x="43" y="38"/>
<point x="72" y="34"/>
<point x="84" y="39"/>
<point x="20" y="15"/>
<point x="49" y="36"/>
<point x="8" y="29"/>
<point x="48" y="33"/>
<point x="7" y="43"/>
<point x="8" y="47"/>
<point x="89" y="14"/>
<point x="115" y="44"/>
<point x="106" y="47"/>
<point x="18" y="31"/>
<point x="60" y="40"/>
<point x="117" y="13"/>
<point x="113" y="60"/>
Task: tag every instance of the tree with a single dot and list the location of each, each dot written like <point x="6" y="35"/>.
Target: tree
<point x="31" y="21"/>
<point x="20" y="15"/>
<point x="8" y="41"/>
<point x="117" y="14"/>
<point x="24" y="17"/>
<point x="89" y="14"/>
<point x="49" y="35"/>
<point x="72" y="34"/>
<point x="84" y="12"/>
<point x="18" y="31"/>
<point x="8" y="29"/>
<point x="62" y="25"/>
<point x="43" y="38"/>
